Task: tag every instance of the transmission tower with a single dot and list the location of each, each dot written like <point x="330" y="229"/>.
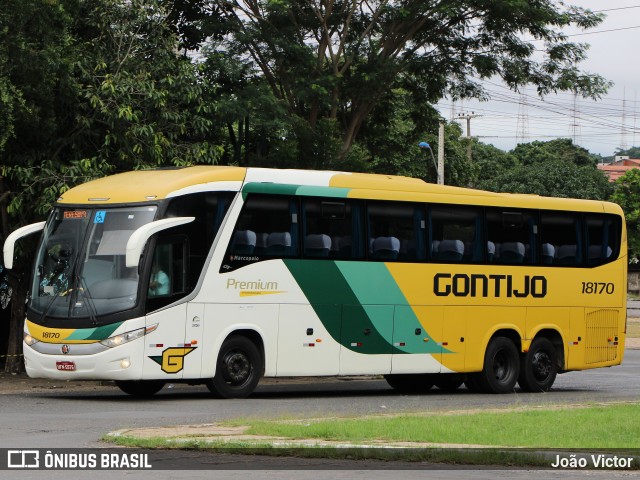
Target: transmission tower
<point x="522" y="127"/>
<point x="623" y="130"/>
<point x="574" y="128"/>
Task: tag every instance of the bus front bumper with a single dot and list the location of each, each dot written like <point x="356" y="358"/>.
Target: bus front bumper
<point x="121" y="363"/>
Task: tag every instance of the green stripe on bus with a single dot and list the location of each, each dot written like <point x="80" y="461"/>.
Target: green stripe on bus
<point x="288" y="189"/>
<point x="99" y="333"/>
<point x="327" y="290"/>
<point x="316" y="191"/>
<point x="271" y="188"/>
<point x="373" y="284"/>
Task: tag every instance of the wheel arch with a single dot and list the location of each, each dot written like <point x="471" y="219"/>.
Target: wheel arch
<point x="475" y="362"/>
<point x="247" y="331"/>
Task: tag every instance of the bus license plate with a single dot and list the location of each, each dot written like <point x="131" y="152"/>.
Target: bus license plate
<point x="66" y="366"/>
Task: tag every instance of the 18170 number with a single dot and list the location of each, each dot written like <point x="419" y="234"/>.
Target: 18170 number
<point x="597" y="288"/>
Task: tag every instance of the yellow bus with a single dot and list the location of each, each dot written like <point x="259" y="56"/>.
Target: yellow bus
<point x="222" y="275"/>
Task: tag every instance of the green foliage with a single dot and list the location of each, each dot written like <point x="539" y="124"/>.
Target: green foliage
<point x="553" y="178"/>
<point x="561" y="149"/>
<point x="96" y="87"/>
<point x="143" y="98"/>
<point x="339" y="60"/>
<point x="489" y="162"/>
<point x="626" y="193"/>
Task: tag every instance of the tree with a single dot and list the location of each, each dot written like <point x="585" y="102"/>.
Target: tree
<point x="95" y="86"/>
<point x="489" y="162"/>
<point x="626" y="193"/>
<point x="561" y="149"/>
<point x="553" y="178"/>
<point x="117" y="96"/>
<point x="336" y="59"/>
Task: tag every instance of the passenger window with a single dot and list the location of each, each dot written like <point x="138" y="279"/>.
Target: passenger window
<point x="560" y="234"/>
<point x="511" y="237"/>
<point x="209" y="210"/>
<point x="267" y="228"/>
<point x="332" y="229"/>
<point x="396" y="231"/>
<point x="456" y="234"/>
<point x="602" y="238"/>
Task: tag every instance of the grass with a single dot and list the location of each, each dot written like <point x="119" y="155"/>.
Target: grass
<point x="615" y="427"/>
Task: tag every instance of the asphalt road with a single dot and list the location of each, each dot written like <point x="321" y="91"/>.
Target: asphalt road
<point x="77" y="418"/>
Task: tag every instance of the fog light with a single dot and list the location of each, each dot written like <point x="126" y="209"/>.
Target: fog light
<point x="125" y="363"/>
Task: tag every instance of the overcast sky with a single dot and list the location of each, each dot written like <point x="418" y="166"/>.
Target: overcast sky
<point x="601" y="127"/>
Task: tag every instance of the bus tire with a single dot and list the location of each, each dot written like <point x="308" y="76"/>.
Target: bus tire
<point x="449" y="382"/>
<point x="501" y="366"/>
<point x="539" y="366"/>
<point x="410" y="382"/>
<point x="238" y="370"/>
<point x="140" y="388"/>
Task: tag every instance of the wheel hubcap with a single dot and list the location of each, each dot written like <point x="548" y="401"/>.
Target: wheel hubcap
<point x="541" y="366"/>
<point x="500" y="367"/>
<point x="237" y="368"/>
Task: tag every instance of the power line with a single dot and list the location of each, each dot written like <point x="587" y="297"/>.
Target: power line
<point x="613" y="9"/>
<point x="602" y="31"/>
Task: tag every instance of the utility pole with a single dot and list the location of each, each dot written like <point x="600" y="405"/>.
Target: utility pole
<point x="468" y="117"/>
<point x="441" y="153"/>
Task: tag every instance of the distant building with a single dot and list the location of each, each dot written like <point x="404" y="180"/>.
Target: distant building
<point x="618" y="168"/>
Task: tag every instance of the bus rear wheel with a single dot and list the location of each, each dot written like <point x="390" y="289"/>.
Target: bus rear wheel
<point x="238" y="370"/>
<point x="140" y="388"/>
<point x="410" y="382"/>
<point x="539" y="366"/>
<point x="501" y="367"/>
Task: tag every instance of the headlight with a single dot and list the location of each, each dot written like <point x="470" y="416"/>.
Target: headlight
<point x="28" y="339"/>
<point x="126" y="337"/>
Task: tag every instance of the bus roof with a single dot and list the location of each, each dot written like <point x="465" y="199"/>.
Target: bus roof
<point x="151" y="185"/>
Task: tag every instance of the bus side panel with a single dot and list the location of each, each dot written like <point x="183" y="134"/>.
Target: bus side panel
<point x="193" y="339"/>
<point x="222" y="320"/>
<point x="483" y="323"/>
<point x="367" y="332"/>
<point x="164" y="350"/>
<point x="417" y="349"/>
<point x="305" y="347"/>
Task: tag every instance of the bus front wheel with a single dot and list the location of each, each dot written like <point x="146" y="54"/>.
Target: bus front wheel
<point x="140" y="388"/>
<point x="501" y="366"/>
<point x="238" y="369"/>
<point x="539" y="366"/>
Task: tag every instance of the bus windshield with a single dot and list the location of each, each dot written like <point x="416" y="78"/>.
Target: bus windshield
<point x="80" y="267"/>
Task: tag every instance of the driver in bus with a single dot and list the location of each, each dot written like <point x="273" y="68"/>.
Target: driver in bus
<point x="159" y="283"/>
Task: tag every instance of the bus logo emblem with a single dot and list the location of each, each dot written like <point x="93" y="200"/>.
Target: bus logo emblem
<point x="65" y="349"/>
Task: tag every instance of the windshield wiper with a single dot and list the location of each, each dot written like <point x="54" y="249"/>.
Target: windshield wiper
<point x="86" y="295"/>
